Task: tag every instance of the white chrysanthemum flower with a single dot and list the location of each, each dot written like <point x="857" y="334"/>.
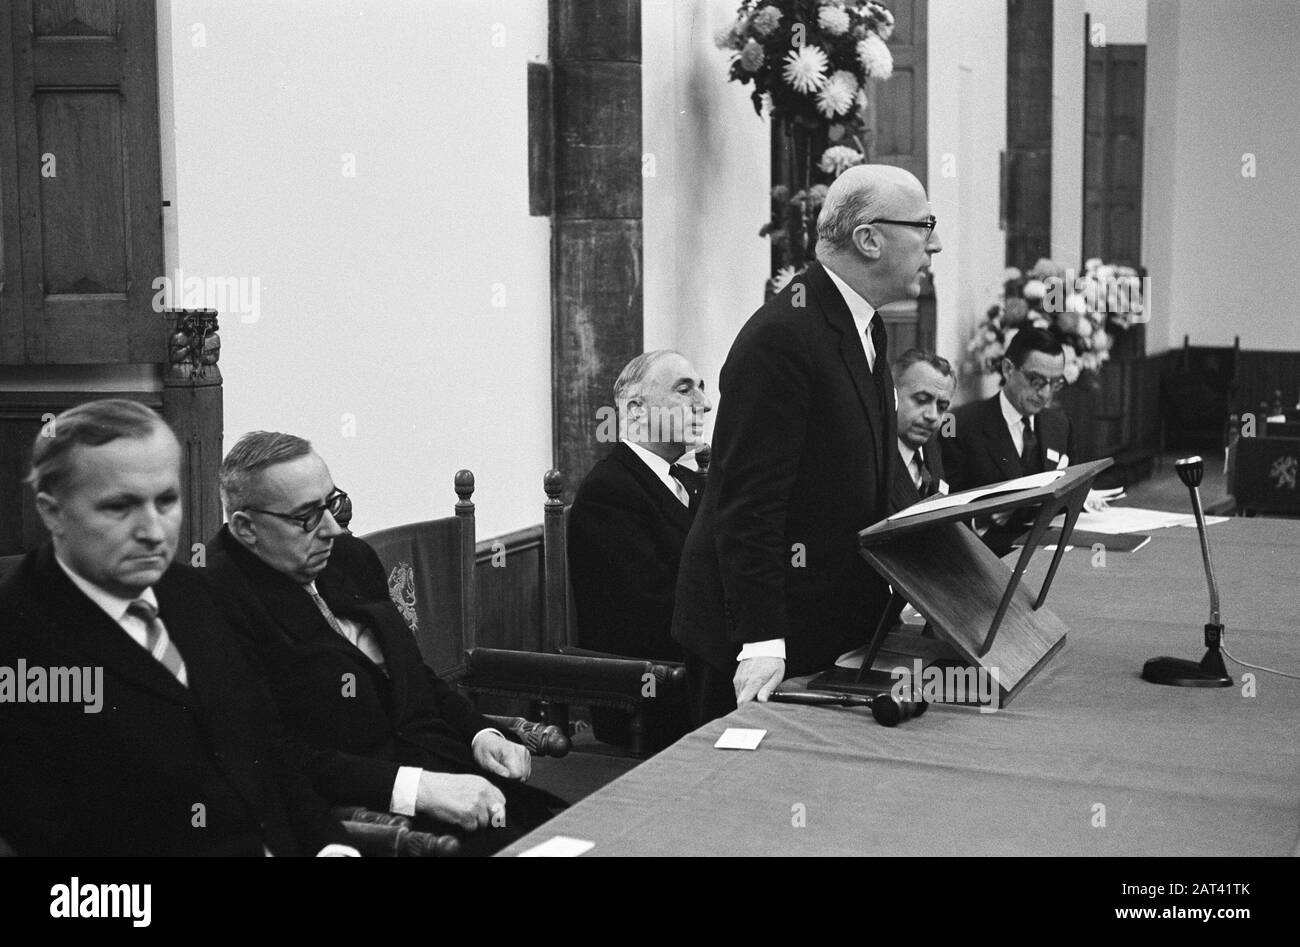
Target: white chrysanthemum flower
<point x="836" y="97"/>
<point x="726" y="37"/>
<point x="846" y="78"/>
<point x="751" y="57"/>
<point x="863" y="101"/>
<point x="805" y="68"/>
<point x="783" y="278"/>
<point x="833" y="20"/>
<point x="1034" y="290"/>
<point x="837" y="157"/>
<point x="766" y="20"/>
<point x="877" y="61"/>
<point x="884" y="20"/>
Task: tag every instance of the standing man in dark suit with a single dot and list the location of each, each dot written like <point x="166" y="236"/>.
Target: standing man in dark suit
<point x="1016" y="432"/>
<point x="771" y="582"/>
<point x="383" y="730"/>
<point x="925" y="384"/>
<point x="173" y="752"/>
<point x="629" y="521"/>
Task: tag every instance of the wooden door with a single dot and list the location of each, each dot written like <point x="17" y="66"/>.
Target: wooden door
<point x="1114" y="106"/>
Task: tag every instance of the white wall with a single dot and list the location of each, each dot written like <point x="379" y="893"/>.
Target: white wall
<point x="376" y="291"/>
<point x="967" y="119"/>
<point x="705" y="265"/>
<point x="1222" y="80"/>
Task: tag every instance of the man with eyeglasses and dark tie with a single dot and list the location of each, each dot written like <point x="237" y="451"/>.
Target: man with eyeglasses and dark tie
<point x="771" y="583"/>
<point x="380" y="728"/>
<point x="175" y="753"/>
<point x="1016" y="432"/>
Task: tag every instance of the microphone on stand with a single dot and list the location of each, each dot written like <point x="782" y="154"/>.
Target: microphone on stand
<point x="1209" y="672"/>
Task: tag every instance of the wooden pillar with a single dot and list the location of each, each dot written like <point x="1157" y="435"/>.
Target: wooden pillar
<point x="596" y="236"/>
<point x="192" y="405"/>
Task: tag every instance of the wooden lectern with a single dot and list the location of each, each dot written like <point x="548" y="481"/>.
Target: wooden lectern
<point x="973" y="601"/>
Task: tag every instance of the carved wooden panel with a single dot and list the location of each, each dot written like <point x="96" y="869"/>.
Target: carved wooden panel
<point x="1112" y="155"/>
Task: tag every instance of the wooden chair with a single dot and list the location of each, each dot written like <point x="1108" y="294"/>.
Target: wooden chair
<point x="1263" y="474"/>
<point x="430" y="568"/>
<point x="566" y="674"/>
<point x="1195" y="400"/>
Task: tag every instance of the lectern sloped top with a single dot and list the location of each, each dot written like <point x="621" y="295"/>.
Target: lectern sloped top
<point x="970" y="597"/>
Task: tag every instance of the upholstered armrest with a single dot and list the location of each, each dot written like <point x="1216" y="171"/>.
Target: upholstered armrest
<point x="387" y="841"/>
<point x="542" y="739"/>
<point x="672" y="672"/>
<point x="615" y="682"/>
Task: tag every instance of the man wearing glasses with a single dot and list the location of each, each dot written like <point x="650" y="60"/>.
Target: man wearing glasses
<point x="377" y="727"/>
<point x="771" y="584"/>
<point x="1014" y="433"/>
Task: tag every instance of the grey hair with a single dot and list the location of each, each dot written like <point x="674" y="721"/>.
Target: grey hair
<point x="633" y="376"/>
<point x="862" y="193"/>
<point x="91" y="424"/>
<point x="255" y="451"/>
<point x="912" y="356"/>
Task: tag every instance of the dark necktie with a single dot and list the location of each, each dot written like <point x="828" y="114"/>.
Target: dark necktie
<point x="691" y="480"/>
<point x="880" y="342"/>
<point x="927" y="480"/>
<point x="1031" y="460"/>
<point x="156" y="640"/>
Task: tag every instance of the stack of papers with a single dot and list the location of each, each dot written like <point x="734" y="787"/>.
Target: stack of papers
<point x="1128" y="519"/>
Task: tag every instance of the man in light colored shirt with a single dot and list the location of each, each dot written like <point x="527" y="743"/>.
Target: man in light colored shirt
<point x="925" y="384"/>
<point x="384" y="731"/>
<point x="629" y="519"/>
<point x="175" y="755"/>
<point x="771" y="583"/>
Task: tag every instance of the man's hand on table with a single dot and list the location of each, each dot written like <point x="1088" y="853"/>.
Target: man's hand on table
<point x="756" y="678"/>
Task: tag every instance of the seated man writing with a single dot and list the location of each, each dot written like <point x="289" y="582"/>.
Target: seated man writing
<point x="150" y="733"/>
<point x="628" y="523"/>
<point x="383" y="730"/>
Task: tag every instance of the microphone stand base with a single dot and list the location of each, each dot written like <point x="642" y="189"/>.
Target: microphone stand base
<point x="1179" y="672"/>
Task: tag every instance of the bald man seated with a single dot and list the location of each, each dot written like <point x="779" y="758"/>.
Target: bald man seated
<point x="628" y="522"/>
<point x="383" y="730"/>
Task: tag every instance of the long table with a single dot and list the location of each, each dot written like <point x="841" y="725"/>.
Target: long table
<point x="1088" y="760"/>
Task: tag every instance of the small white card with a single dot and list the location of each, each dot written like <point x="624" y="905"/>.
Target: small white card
<point x="944" y="489"/>
<point x="559" y="847"/>
<point x="738" y="738"/>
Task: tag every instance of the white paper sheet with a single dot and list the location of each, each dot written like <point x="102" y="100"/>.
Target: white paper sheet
<point x="970" y="496"/>
<point x="738" y="738"/>
<point x="561" y="846"/>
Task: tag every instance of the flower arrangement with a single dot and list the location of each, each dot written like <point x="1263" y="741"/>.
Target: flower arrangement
<point x="1083" y="312"/>
<point x="810" y="62"/>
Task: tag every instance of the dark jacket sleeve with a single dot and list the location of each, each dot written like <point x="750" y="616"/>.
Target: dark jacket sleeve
<point x="449" y="704"/>
<point x="622" y="586"/>
<point x="767" y="383"/>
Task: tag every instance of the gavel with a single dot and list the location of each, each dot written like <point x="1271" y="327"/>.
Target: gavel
<point x="888" y="710"/>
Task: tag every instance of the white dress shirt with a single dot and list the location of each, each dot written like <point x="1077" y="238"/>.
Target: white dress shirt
<point x="910" y="457"/>
<point x="862" y="313"/>
<point x="660" y="468"/>
<point x="1015" y="422"/>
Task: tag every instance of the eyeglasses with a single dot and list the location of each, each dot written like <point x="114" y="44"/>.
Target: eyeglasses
<point x="334" y="504"/>
<point x="927" y="225"/>
<point x="1040" y="382"/>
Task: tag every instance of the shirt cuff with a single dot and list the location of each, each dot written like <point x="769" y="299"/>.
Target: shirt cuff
<point x="772" y="648"/>
<point x="406" y="790"/>
<point x="334" y="850"/>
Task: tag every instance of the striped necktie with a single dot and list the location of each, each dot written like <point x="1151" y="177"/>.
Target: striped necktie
<point x="363" y="640"/>
<point x="156" y="640"/>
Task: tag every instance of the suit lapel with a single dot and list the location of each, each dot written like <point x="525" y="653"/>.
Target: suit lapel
<point x="837" y="314"/>
<point x="671" y="507"/>
<point x="97" y="639"/>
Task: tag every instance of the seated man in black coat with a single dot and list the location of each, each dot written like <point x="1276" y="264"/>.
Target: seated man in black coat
<point x="1014" y="433"/>
<point x="924" y="383"/>
<point x="142" y="729"/>
<point x="383" y="730"/>
<point x="628" y="522"/>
